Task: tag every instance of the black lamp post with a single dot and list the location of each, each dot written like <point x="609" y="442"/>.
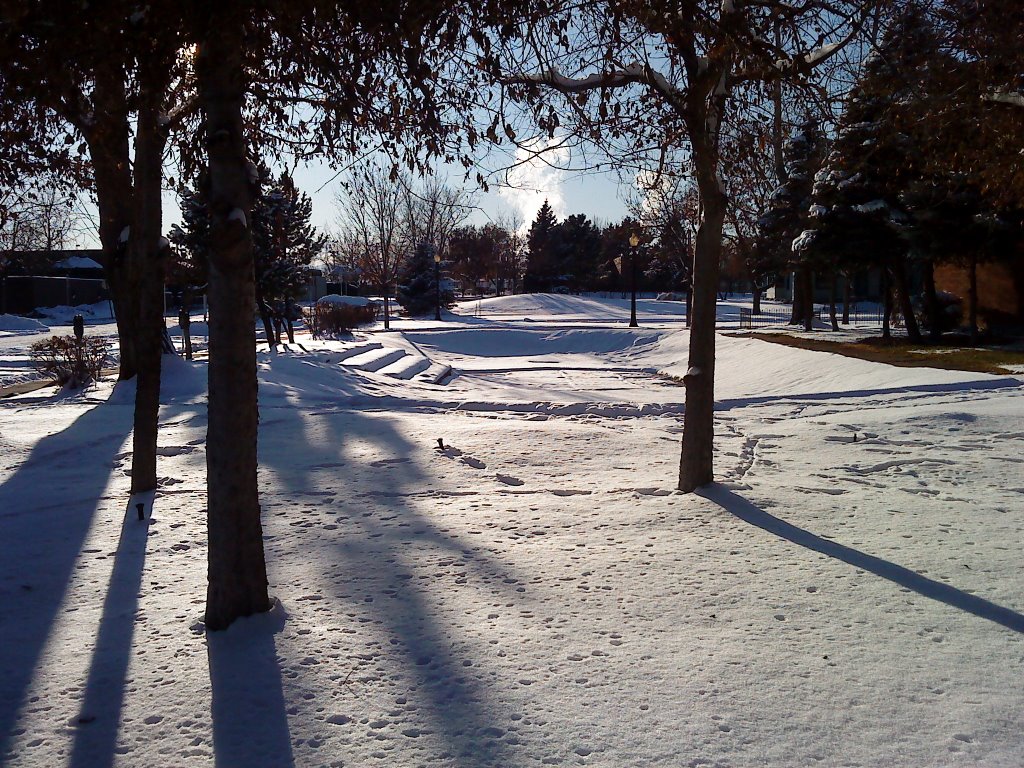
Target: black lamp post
<point x="437" y="285"/>
<point x="634" y="241"/>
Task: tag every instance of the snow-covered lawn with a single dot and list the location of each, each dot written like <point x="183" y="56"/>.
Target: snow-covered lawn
<point x="534" y="592"/>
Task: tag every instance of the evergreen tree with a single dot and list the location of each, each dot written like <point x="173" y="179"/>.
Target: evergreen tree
<point x="857" y="213"/>
<point x="541" y="267"/>
<point x="418" y="283"/>
<point x="284" y="244"/>
<point x="576" y="250"/>
<point x="786" y="218"/>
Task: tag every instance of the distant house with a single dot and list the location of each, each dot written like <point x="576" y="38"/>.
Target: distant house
<point x="83" y="264"/>
<point x="865" y="285"/>
<point x="53" y="278"/>
<point x="1000" y="288"/>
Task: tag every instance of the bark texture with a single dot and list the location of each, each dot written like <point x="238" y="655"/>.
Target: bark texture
<point x="696" y="463"/>
<point x="237" y="574"/>
<point x="146" y="257"/>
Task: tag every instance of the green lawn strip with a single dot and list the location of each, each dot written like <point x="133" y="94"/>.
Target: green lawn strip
<point x="901" y="352"/>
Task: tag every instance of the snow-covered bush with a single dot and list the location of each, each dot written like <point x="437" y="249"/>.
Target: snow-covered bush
<point x="70" y="362"/>
<point x="333" y="315"/>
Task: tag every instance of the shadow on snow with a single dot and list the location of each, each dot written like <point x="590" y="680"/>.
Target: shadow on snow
<point x="935" y="590"/>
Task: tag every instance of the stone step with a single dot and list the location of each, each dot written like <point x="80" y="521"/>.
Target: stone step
<point x="355" y="349"/>
<point x="374" y="359"/>
<point x="435" y="374"/>
<point x="406" y="367"/>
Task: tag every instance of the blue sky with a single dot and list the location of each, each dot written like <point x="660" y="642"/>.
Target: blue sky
<point x="598" y="195"/>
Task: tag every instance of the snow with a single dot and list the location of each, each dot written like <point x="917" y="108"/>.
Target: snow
<point x="872" y="206"/>
<point x="17" y="324"/>
<point x="78" y="262"/>
<point x="237" y="214"/>
<point x="337" y="300"/>
<point x="534" y="592"/>
<point x="804" y="240"/>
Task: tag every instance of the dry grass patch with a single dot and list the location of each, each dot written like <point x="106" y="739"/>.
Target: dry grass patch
<point x="950" y="354"/>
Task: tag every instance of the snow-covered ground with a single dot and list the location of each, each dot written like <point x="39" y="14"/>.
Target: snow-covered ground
<point x="535" y="592"/>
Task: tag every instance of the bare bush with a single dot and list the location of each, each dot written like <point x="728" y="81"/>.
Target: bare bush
<point x="70" y="362"/>
<point x="330" y="320"/>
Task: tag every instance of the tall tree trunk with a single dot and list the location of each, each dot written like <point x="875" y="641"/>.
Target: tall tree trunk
<point x="689" y="303"/>
<point x="832" y="300"/>
<point x="972" y="298"/>
<point x="237" y="573"/>
<point x="931" y="302"/>
<point x="905" y="300"/>
<point x="108" y="139"/>
<point x="846" y="299"/>
<point x="886" y="305"/>
<point x="264" y="312"/>
<point x="799" y="313"/>
<point x="696" y="464"/>
<point x="757" y="298"/>
<point x="185" y="322"/>
<point x="807" y="286"/>
<point x="146" y="258"/>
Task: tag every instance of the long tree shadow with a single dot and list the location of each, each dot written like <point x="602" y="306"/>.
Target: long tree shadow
<point x="46" y="509"/>
<point x="897" y="574"/>
<point x="250" y="721"/>
<point x="385" y="528"/>
<point x="96" y="736"/>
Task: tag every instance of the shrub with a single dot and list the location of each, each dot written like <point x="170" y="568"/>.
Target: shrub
<point x="327" y="319"/>
<point x="949" y="315"/>
<point x="70" y="362"/>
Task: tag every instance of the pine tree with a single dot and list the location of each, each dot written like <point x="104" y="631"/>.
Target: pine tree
<point x="418" y="283"/>
<point x="540" y="259"/>
<point x="858" y="214"/>
<point x="284" y="244"/>
<point x="786" y="218"/>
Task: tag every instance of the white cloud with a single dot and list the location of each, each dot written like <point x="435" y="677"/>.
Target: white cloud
<point x="533" y="180"/>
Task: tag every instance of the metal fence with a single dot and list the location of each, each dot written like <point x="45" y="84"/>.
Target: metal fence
<point x="775" y="315"/>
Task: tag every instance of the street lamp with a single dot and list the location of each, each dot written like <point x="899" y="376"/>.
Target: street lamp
<point x="634" y="241"/>
<point x="437" y="285"/>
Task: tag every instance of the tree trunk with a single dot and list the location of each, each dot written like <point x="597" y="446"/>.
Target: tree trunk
<point x="185" y="322"/>
<point x="290" y="329"/>
<point x="696" y="464"/>
<point x="972" y="298"/>
<point x="387" y="312"/>
<point x="931" y="302"/>
<point x="905" y="300"/>
<point x="146" y="258"/>
<point x="108" y="140"/>
<point x="237" y="574"/>
<point x="886" y="305"/>
<point x="846" y="299"/>
<point x="799" y="310"/>
<point x="807" y="286"/>
<point x="689" y="303"/>
<point x="832" y="301"/>
<point x="264" y="313"/>
<point x="757" y="299"/>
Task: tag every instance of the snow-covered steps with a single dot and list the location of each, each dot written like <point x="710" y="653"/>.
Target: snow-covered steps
<point x="355" y="349"/>
<point x="436" y="373"/>
<point x="374" y="359"/>
<point x="406" y="367"/>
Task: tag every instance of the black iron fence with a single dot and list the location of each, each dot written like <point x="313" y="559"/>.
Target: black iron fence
<point x="780" y="315"/>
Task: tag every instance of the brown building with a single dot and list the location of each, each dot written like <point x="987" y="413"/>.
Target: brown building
<point x="1000" y="289"/>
